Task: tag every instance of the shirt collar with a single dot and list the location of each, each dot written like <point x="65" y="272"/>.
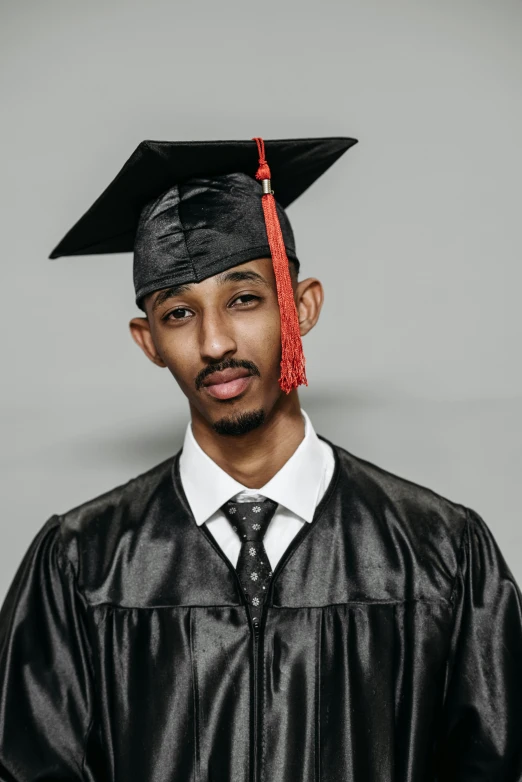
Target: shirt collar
<point x="295" y="486"/>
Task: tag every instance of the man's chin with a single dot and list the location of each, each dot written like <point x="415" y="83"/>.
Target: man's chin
<point x="236" y="424"/>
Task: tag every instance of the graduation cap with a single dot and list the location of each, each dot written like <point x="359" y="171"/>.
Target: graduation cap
<point x="189" y="210"/>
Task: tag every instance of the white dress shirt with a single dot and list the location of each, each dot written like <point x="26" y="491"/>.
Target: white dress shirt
<point x="298" y="488"/>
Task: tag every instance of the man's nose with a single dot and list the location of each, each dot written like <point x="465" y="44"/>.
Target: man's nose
<point x="216" y="337"/>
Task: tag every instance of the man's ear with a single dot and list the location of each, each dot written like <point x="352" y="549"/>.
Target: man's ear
<point x="309" y="297"/>
<point x="141" y="334"/>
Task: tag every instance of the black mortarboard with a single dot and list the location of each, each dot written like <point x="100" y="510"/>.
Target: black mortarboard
<point x="190" y="210"/>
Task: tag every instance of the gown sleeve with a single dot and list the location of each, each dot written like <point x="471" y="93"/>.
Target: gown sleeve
<point x="482" y="717"/>
<point x="45" y="670"/>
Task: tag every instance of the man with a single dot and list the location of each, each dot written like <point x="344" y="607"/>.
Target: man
<point x="263" y="605"/>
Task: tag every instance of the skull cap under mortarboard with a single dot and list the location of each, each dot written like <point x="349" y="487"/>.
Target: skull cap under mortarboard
<point x="190" y="210"/>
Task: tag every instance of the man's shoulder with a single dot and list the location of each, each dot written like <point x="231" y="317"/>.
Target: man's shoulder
<point x="392" y="499"/>
<point x="133" y="493"/>
<point x="114" y="512"/>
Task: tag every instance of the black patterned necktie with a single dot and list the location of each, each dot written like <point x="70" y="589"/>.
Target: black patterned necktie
<point x="250" y="521"/>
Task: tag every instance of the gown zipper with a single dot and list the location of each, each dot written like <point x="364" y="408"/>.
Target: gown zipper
<point x="256" y="695"/>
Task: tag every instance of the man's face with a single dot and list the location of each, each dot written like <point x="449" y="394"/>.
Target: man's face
<point x="221" y="340"/>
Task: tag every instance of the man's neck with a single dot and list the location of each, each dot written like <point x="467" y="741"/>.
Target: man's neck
<point x="254" y="458"/>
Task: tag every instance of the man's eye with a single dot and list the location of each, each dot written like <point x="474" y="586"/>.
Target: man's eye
<point x="180" y="313"/>
<point x="247" y="298"/>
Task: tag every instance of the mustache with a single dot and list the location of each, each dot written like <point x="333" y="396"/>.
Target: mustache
<point x="229" y="363"/>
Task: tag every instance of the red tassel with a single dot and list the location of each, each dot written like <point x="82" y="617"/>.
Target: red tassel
<point x="292" y="356"/>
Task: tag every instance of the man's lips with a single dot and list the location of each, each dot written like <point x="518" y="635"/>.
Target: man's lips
<point x="228" y="383"/>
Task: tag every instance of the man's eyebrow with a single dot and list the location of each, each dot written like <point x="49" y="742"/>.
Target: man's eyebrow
<point x="169" y="293"/>
<point x="241" y="276"/>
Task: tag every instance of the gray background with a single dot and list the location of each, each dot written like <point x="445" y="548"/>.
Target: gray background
<point x="415" y="233"/>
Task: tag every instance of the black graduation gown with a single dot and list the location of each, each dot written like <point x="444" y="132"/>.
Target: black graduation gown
<point x="390" y="647"/>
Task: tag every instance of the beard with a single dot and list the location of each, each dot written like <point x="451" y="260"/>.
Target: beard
<point x="239" y="424"/>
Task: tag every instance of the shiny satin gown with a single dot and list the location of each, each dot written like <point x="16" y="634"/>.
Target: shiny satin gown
<point x="390" y="648"/>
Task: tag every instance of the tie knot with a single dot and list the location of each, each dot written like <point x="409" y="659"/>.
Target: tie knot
<point x="250" y="519"/>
